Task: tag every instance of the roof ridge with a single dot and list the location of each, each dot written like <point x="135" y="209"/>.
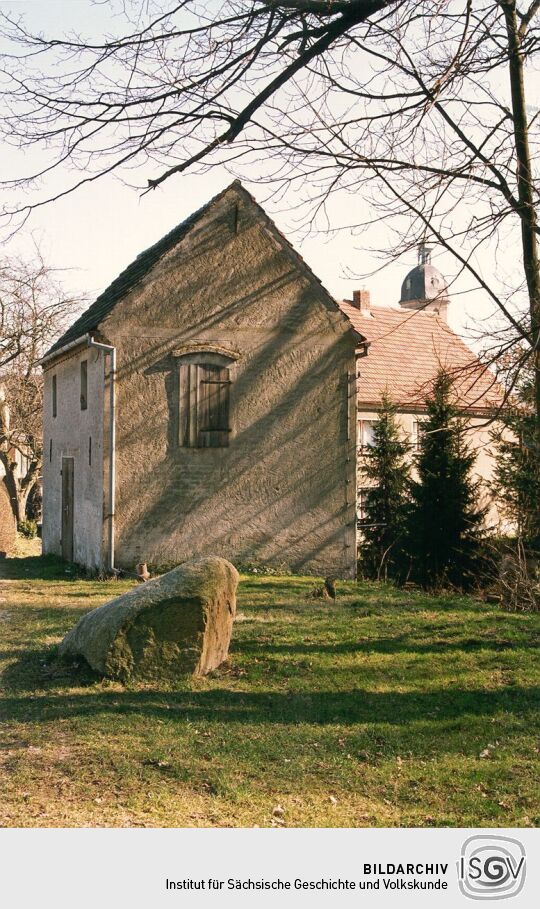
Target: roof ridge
<point x="396" y="308"/>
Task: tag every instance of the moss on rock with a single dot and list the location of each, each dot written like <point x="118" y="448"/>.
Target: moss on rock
<point x="174" y="625"/>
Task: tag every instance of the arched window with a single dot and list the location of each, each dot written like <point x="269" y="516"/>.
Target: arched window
<point x="204" y="381"/>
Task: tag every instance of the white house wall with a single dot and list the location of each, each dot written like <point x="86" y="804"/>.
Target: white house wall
<point x="68" y="435"/>
<point x="478" y="438"/>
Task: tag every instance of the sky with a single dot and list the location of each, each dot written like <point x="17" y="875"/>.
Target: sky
<point x="94" y="233"/>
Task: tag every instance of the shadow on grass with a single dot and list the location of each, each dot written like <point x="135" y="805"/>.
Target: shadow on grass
<point x="401" y="644"/>
<point x="28" y="636"/>
<point x="38" y="568"/>
<point x="356" y="706"/>
<point x="297" y="585"/>
<point x="42" y="672"/>
<point x="362" y="605"/>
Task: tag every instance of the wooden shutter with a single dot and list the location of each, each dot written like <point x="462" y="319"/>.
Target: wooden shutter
<point x="188" y="402"/>
<point x="213" y="406"/>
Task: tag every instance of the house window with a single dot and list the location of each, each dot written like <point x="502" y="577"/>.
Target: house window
<point x="366" y="433"/>
<point x="54" y="396"/>
<point x="84" y="384"/>
<point x="203" y="404"/>
<point x="361" y="504"/>
<point x="415" y="434"/>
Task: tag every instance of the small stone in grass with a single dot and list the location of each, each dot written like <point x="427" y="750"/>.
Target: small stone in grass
<point x="487" y="751"/>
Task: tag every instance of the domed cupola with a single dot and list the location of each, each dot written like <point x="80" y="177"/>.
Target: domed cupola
<point x="424" y="287"/>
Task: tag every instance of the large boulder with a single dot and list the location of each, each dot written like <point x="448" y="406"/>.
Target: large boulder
<point x="8" y="526"/>
<point x="177" y="624"/>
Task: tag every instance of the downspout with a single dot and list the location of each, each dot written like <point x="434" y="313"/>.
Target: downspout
<point x="111" y="351"/>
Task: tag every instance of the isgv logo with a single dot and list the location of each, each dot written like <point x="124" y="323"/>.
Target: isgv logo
<point x="491" y="867"/>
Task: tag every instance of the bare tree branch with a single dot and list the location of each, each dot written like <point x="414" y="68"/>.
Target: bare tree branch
<point x="419" y="109"/>
<point x="33" y="310"/>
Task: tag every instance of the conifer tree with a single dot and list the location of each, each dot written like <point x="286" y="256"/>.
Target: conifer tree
<point x="517" y="474"/>
<point x="444" y="533"/>
<point x="386" y="470"/>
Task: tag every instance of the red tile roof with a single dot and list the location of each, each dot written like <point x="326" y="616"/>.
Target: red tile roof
<point x="406" y="349"/>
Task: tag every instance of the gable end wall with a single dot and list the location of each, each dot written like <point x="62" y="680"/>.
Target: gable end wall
<point x="283" y="492"/>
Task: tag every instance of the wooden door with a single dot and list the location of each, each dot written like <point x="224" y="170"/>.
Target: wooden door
<point x="67" y="509"/>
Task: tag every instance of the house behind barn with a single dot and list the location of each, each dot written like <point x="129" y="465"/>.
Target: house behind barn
<point x="409" y="342"/>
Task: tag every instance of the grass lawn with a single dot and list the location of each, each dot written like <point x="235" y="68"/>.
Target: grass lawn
<point x="385" y="709"/>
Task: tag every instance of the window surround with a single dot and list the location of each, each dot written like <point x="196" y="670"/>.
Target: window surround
<point x="362" y="495"/>
<point x="206" y="347"/>
<point x="361" y="503"/>
<point x="205" y="372"/>
<point x="365" y="433"/>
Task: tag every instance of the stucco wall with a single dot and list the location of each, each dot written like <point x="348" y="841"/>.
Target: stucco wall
<point x="477" y="438"/>
<point x="68" y="435"/>
<point x="282" y="493"/>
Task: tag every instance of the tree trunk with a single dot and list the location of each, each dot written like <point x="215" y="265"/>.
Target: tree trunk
<point x="12" y="487"/>
<point x="19" y="489"/>
<point x="525" y="187"/>
<point x="22" y="499"/>
<point x="25" y="486"/>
